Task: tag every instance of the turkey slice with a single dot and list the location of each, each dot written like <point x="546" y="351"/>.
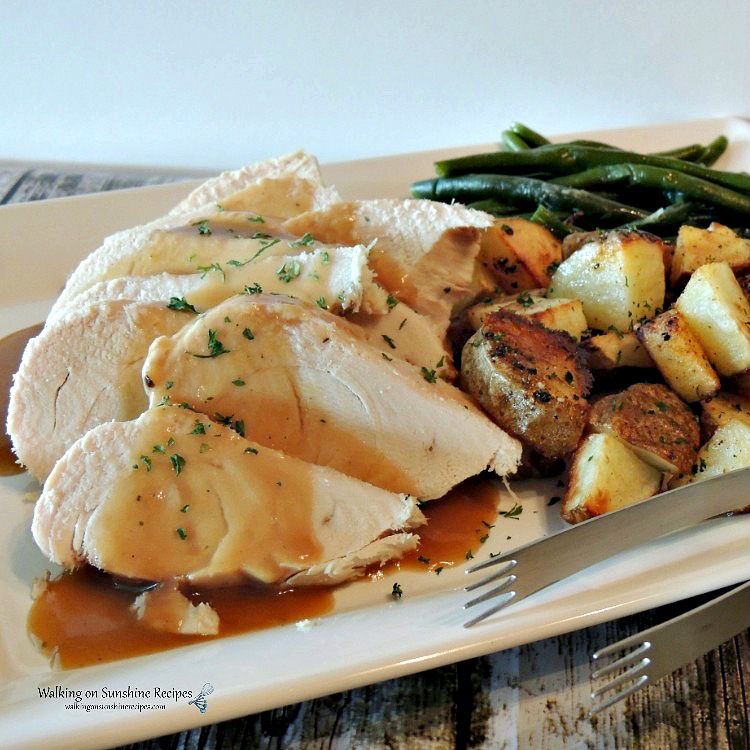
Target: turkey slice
<point x="176" y="496"/>
<point x="303" y="381"/>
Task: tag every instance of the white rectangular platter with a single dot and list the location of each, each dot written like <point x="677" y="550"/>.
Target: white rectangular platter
<point x="370" y="636"/>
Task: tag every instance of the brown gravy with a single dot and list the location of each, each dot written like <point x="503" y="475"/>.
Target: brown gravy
<point x="82" y="619"/>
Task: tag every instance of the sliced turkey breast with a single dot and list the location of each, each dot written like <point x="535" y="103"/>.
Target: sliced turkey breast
<point x="336" y="278"/>
<point x="173" y="495"/>
<point x="406" y="334"/>
<point x="425" y="252"/>
<point x="282" y="187"/>
<point x="242" y="205"/>
<point x="303" y="381"/>
<point x="81" y="370"/>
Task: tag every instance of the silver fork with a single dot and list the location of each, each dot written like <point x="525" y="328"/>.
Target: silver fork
<point x="662" y="649"/>
<point x="558" y="556"/>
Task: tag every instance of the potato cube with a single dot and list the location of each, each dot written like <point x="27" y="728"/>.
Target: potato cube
<point x="618" y="276"/>
<point x="653" y="422"/>
<point x="717" y="311"/>
<point x="679" y="356"/>
<point x="534" y="245"/>
<point x="727" y="449"/>
<point x="695" y="247"/>
<point x="555" y="314"/>
<point x="722" y="408"/>
<point x="606" y="475"/>
<point x="608" y="351"/>
<point x="501" y="261"/>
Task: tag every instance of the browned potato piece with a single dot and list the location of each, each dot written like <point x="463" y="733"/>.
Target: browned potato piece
<point x="606" y="475"/>
<point x="716" y="309"/>
<point x="614" y="349"/>
<point x="520" y="253"/>
<point x="728" y="449"/>
<point x="619" y="276"/>
<point x="679" y="356"/>
<point x="658" y="426"/>
<point x="722" y="408"/>
<point x="501" y="262"/>
<point x="555" y="314"/>
<point x="530" y="380"/>
<point x="695" y="247"/>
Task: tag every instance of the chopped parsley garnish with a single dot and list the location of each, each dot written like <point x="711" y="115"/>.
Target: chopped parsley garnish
<point x="525" y="299"/>
<point x="215" y="347"/>
<point x="304" y="241"/>
<point x="178" y="463"/>
<point x="388" y="340"/>
<point x="514" y="512"/>
<point x="289" y="271"/>
<point x="248" y="334"/>
<point x="182" y="533"/>
<point x="391" y="301"/>
<point x="397" y="592"/>
<point x="205" y="270"/>
<point x="429" y="375"/>
<point x="180" y="304"/>
<point x="251" y="450"/>
<point x="184" y="508"/>
<point x="238" y="382"/>
<point x="146" y="462"/>
<point x="203" y="227"/>
<point x="321" y="303"/>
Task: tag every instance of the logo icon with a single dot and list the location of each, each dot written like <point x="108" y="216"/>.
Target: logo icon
<point x="200" y="701"/>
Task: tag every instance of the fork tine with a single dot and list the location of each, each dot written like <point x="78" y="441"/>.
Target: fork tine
<point x="505" y="600"/>
<point x="492" y="593"/>
<point x="498" y="592"/>
<point x="490" y="578"/>
<point x="624" y="661"/>
<point x="617" y="697"/>
<point x="634" y="663"/>
<point x="510" y="563"/>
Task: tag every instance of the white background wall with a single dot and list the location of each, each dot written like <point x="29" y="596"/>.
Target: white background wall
<point x="216" y="84"/>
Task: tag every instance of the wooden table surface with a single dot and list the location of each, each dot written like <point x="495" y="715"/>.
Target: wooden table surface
<point x="533" y="696"/>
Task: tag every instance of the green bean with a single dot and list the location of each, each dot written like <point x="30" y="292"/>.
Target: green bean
<point x="526" y="191"/>
<point x="567" y="159"/>
<point x="667" y="216"/>
<point x="531" y="137"/>
<point x="553" y="221"/>
<point x="513" y="142"/>
<point x="643" y="175"/>
<point x="693" y="152"/>
<point x="714" y="150"/>
<point x="491" y="206"/>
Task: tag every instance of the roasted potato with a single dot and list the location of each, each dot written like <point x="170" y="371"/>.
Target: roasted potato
<point x="679" y="356"/>
<point x="520" y="253"/>
<point x="696" y="247"/>
<point x="727" y="449"/>
<point x="722" y="408"/>
<point x="606" y="475"/>
<point x="618" y="276"/>
<point x="530" y="380"/>
<point x="717" y="311"/>
<point x="608" y="351"/>
<point x="658" y="426"/>
<point x="555" y="314"/>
